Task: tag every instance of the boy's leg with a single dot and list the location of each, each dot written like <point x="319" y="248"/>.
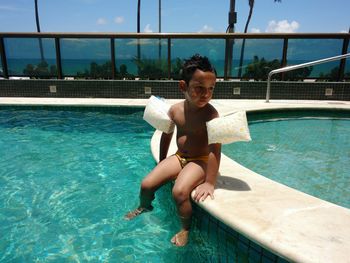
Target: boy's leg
<point x="165" y="171"/>
<point x="192" y="175"/>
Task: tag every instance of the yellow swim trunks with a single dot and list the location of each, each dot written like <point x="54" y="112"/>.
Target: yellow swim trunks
<point x="185" y="160"/>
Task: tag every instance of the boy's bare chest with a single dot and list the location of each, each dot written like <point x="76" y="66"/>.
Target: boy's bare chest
<point x="191" y="125"/>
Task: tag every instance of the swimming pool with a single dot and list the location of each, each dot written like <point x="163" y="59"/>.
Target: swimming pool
<point x="306" y="150"/>
<point x="67" y="177"/>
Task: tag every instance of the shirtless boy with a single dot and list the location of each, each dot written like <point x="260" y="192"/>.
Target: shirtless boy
<point x="195" y="165"/>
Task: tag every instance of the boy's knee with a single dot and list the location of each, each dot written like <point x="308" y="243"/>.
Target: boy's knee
<point x="180" y="195"/>
<point x="146" y="185"/>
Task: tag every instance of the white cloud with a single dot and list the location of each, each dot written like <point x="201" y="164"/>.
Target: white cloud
<point x="255" y="30"/>
<point x="148" y="29"/>
<point x="77" y="40"/>
<point x="343" y="31"/>
<point x="8" y="8"/>
<point x="206" y="29"/>
<point x="119" y="20"/>
<point x="282" y="26"/>
<point x="101" y="21"/>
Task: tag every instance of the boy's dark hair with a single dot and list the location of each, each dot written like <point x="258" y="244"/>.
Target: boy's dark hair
<point x="192" y="64"/>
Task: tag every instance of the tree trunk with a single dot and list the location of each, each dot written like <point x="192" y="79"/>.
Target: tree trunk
<point x="37" y="16"/>
<point x="138" y="31"/>
<point x="138" y="15"/>
<point x="38" y="30"/>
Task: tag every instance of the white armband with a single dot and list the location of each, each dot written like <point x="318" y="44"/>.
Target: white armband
<point x="228" y="129"/>
<point x="156" y="114"/>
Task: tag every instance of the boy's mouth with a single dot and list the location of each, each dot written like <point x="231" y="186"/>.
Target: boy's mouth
<point x="203" y="101"/>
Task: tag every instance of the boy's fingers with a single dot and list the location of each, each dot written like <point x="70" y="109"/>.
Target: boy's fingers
<point x="206" y="195"/>
<point x="195" y="195"/>
<point x="210" y="194"/>
<point x="202" y="195"/>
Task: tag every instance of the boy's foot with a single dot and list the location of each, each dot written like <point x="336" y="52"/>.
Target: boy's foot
<point x="181" y="238"/>
<point x="136" y="212"/>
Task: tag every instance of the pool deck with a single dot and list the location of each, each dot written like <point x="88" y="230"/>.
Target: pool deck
<point x="294" y="225"/>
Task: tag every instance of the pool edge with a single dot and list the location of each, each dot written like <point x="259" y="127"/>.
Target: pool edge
<point x="293" y="225"/>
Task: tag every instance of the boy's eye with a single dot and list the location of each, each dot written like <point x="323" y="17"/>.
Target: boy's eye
<point x="201" y="90"/>
<point x="198" y="89"/>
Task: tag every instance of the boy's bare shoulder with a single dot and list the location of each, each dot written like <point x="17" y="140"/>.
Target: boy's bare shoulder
<point x="175" y="108"/>
<point x="212" y="111"/>
<point x="212" y="107"/>
<point x="178" y="104"/>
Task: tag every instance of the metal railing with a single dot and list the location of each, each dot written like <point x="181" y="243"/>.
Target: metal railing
<point x="303" y="65"/>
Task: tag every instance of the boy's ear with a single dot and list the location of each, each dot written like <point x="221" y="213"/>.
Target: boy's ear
<point x="182" y="85"/>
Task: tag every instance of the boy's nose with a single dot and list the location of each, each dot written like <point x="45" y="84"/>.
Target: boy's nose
<point x="206" y="92"/>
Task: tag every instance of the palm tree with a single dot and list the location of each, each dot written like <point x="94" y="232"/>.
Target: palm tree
<point x="138" y="29"/>
<point x="138" y="15"/>
<point x="37" y="16"/>
<point x="251" y="7"/>
<point x="160" y="28"/>
<point x="38" y="29"/>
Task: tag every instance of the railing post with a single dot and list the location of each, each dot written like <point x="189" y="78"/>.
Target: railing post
<point x="228" y="57"/>
<point x="58" y="58"/>
<point x="284" y="55"/>
<point x="3" y="58"/>
<point x="342" y="62"/>
<point x="268" y="87"/>
<point x="114" y="73"/>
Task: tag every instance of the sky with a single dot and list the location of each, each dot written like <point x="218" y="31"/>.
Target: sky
<point x="177" y="16"/>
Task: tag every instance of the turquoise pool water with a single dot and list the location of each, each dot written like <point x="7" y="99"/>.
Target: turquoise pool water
<point x="311" y="154"/>
<point x="66" y="180"/>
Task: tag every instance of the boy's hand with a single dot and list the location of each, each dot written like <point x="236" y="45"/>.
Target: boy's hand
<point x="202" y="191"/>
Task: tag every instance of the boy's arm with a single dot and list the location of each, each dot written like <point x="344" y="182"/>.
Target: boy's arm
<point x="164" y="145"/>
<point x="165" y="139"/>
<point x="207" y="188"/>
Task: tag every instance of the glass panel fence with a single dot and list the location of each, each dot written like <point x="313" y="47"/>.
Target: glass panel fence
<point x="347" y="69"/>
<point x="125" y="57"/>
<point x="307" y="50"/>
<point x="86" y="58"/>
<point x="1" y="67"/>
<point x="33" y="57"/>
<point x="145" y="58"/>
<point x="347" y="66"/>
<point x="181" y="49"/>
<point x="259" y="57"/>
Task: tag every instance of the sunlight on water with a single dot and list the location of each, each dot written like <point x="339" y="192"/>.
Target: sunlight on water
<point x="311" y="155"/>
<point x="66" y="180"/>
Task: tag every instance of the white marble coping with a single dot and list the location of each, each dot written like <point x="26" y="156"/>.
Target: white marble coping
<point x="292" y="224"/>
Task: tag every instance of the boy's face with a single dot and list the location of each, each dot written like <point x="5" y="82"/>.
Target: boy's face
<point x="199" y="90"/>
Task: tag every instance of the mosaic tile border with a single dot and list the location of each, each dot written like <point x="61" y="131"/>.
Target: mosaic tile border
<point x="123" y="110"/>
<point x="232" y="246"/>
<point x="169" y="89"/>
